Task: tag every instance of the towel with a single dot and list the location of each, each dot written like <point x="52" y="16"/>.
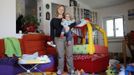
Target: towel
<point x="12" y="47"/>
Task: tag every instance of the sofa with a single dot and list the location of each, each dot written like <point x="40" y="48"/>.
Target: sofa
<point x="31" y="43"/>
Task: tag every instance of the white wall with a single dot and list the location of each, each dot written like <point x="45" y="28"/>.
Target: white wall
<point x="7" y="18"/>
<point x="63" y="2"/>
<point x="118" y="10"/>
<point x="82" y="5"/>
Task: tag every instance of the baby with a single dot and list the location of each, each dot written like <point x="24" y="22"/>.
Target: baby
<point x="66" y="31"/>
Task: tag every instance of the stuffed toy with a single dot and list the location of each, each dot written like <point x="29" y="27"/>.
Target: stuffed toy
<point x="110" y="71"/>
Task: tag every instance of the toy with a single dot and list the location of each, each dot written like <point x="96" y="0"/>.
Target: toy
<point x="80" y="72"/>
<point x="122" y="72"/>
<point x="129" y="69"/>
<point x="89" y="53"/>
<point x="90" y="48"/>
<point x="110" y="71"/>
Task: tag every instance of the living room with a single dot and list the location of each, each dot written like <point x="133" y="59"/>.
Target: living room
<point x="104" y="11"/>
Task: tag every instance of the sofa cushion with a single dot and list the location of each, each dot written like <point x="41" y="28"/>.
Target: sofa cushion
<point x="101" y="49"/>
<point x="34" y="43"/>
<point x="2" y="49"/>
<point x="85" y="62"/>
<point x="80" y="49"/>
<point x="35" y="37"/>
<point x="88" y="57"/>
<point x="51" y="51"/>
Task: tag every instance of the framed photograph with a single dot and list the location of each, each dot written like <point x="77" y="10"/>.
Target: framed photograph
<point x="131" y="14"/>
<point x="40" y="14"/>
<point x="73" y="3"/>
<point x="47" y="15"/>
<point x="47" y="6"/>
<point x="39" y="8"/>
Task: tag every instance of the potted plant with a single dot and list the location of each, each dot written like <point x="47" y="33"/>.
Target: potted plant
<point x="30" y="24"/>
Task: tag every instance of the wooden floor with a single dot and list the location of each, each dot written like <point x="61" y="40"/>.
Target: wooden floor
<point x="49" y="73"/>
<point x="37" y="73"/>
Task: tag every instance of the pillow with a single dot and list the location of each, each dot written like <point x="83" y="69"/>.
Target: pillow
<point x="80" y="49"/>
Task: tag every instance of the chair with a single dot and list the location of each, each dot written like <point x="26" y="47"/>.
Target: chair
<point x="130" y="43"/>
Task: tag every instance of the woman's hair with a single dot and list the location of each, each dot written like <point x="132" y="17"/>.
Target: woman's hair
<point x="57" y="13"/>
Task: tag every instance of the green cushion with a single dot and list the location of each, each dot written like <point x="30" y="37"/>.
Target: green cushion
<point x="80" y="49"/>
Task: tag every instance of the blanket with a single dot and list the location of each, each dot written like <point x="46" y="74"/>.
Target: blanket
<point x="12" y="47"/>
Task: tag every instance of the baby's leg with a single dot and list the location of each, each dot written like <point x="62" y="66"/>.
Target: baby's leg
<point x="69" y="37"/>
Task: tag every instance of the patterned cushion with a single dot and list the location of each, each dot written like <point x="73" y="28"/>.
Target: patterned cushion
<point x="80" y="49"/>
<point x="88" y="57"/>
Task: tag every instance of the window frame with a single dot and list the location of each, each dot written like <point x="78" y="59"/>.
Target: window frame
<point x="114" y="28"/>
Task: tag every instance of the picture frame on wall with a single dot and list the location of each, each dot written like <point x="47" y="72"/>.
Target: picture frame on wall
<point x="39" y="8"/>
<point x="73" y="3"/>
<point x="47" y="15"/>
<point x="47" y="6"/>
<point x="131" y="14"/>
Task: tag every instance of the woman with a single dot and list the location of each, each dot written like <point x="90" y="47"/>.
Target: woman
<point x="56" y="29"/>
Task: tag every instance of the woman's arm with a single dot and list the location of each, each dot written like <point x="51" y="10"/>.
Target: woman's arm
<point x="52" y="29"/>
<point x="82" y="23"/>
<point x="72" y="25"/>
<point x="78" y="24"/>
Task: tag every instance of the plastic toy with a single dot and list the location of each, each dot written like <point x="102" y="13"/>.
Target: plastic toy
<point x="90" y="46"/>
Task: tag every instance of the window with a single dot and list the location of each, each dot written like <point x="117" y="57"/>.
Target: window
<point x="114" y="27"/>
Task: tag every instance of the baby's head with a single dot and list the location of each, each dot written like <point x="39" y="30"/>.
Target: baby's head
<point x="68" y="16"/>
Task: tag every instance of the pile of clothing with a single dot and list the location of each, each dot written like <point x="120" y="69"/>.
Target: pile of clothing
<point x="33" y="58"/>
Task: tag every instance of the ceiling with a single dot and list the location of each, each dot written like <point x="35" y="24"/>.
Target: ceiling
<point x="96" y="4"/>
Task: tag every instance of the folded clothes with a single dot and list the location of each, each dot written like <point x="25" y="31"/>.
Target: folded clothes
<point x="37" y="60"/>
<point x="30" y="56"/>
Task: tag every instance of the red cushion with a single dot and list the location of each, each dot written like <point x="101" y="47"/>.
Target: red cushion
<point x="35" y="37"/>
<point x="34" y="43"/>
<point x="2" y="49"/>
<point x="52" y="51"/>
<point x="101" y="49"/>
<point x="88" y="57"/>
<point x="91" y="63"/>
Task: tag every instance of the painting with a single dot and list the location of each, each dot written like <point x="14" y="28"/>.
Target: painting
<point x="47" y="15"/>
<point x="73" y="3"/>
<point x="131" y="14"/>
